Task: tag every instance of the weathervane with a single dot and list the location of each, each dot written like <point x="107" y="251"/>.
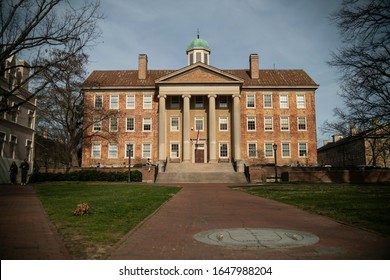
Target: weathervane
<point x="198" y="33"/>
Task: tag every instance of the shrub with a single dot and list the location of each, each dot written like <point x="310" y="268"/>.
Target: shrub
<point x="81" y="209"/>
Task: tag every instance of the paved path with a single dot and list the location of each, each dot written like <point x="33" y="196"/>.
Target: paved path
<point x="26" y="233"/>
<point x="25" y="230"/>
<point x="168" y="234"/>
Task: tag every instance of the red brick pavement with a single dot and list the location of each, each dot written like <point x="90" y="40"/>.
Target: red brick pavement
<point x="25" y="230"/>
<point x="168" y="234"/>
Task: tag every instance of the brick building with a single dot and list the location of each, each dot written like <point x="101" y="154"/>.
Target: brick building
<point x="199" y="113"/>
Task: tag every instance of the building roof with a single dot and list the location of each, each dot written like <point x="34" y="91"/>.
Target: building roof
<point x="198" y="43"/>
<point x="267" y="78"/>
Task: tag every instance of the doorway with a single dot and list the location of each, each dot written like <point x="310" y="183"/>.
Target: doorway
<point x="199" y="153"/>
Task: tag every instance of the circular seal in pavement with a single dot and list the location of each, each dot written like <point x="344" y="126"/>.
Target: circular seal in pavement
<point x="246" y="238"/>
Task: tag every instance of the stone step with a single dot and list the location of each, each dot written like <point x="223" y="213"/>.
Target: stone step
<point x="204" y="177"/>
<point x="199" y="167"/>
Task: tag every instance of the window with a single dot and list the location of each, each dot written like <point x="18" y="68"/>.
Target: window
<point x="222" y="101"/>
<point x="147" y="124"/>
<point x="250" y="101"/>
<point x="286" y="150"/>
<point x="146" y="151"/>
<point x="113" y="124"/>
<point x="114" y="102"/>
<point x="130" y="124"/>
<point x="130" y="101"/>
<point x="97" y="125"/>
<point x="98" y="101"/>
<point x="199" y="123"/>
<point x="28" y="149"/>
<point x="175" y="124"/>
<point x="251" y="123"/>
<point x="30" y="121"/>
<point x="12" y="146"/>
<point x="147" y="101"/>
<point x="223" y="123"/>
<point x="175" y="102"/>
<point x="268" y="124"/>
<point x="252" y="150"/>
<point x="198" y="56"/>
<point x="112" y="150"/>
<point x="283" y="101"/>
<point x="302" y="149"/>
<point x="129" y="146"/>
<point x="175" y="150"/>
<point x="301" y="101"/>
<point x="269" y="150"/>
<point x="301" y="123"/>
<point x="198" y="101"/>
<point x="206" y="58"/>
<point x="191" y="58"/>
<point x="284" y="123"/>
<point x="96" y="150"/>
<point x="14" y="113"/>
<point x="267" y="101"/>
<point x="2" y="140"/>
<point x="223" y="150"/>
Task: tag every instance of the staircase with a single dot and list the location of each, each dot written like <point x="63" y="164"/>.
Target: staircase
<point x="200" y="173"/>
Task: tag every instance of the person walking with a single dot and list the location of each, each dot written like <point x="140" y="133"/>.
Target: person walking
<point x="24" y="166"/>
<point x="13" y="171"/>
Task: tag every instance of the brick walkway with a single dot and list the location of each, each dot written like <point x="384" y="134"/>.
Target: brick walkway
<point x="25" y="230"/>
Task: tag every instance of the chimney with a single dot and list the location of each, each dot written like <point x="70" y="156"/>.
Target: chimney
<point x="337" y="138"/>
<point x="352" y="131"/>
<point x="142" y="66"/>
<point x="254" y="66"/>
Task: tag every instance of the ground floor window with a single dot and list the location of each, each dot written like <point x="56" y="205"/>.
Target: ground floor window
<point x="175" y="150"/>
<point x="302" y="149"/>
<point x="96" y="150"/>
<point x="129" y="148"/>
<point x="112" y="150"/>
<point x="223" y="150"/>
<point x="268" y="150"/>
<point x="252" y="150"/>
<point x="286" y="150"/>
<point x="146" y="150"/>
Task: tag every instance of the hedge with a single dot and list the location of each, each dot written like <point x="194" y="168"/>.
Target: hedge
<point x="87" y="175"/>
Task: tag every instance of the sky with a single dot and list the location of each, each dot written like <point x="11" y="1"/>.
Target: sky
<point x="286" y="34"/>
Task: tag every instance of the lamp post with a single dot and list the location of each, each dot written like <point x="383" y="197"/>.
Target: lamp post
<point x="275" y="147"/>
<point x="129" y="153"/>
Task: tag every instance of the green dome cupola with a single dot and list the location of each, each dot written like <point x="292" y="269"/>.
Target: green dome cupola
<point x="198" y="51"/>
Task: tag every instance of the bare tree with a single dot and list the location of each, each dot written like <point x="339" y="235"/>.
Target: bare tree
<point x="364" y="64"/>
<point x="36" y="30"/>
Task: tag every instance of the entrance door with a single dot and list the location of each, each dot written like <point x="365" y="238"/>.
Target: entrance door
<point x="199" y="153"/>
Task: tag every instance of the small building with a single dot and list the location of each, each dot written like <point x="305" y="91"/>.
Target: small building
<point x="17" y="125"/>
<point x="367" y="148"/>
<point x="199" y="114"/>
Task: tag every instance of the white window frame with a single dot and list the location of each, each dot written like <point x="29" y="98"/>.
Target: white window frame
<point x="12" y="145"/>
<point x="283" y="99"/>
<point x="264" y="101"/>
<point x="174" y="154"/>
<point x="127" y="150"/>
<point x="305" y="150"/>
<point x="227" y="150"/>
<point x="130" y="101"/>
<point x="97" y="125"/>
<point x="175" y="128"/>
<point x="145" y="153"/>
<point x="199" y="105"/>
<point x="266" y="124"/>
<point x="223" y="121"/>
<point x="249" y="149"/>
<point x="95" y="100"/>
<point x="28" y="148"/>
<point x="283" y="150"/>
<point x="127" y="124"/>
<point x="145" y="121"/>
<point x="96" y="153"/>
<point x="113" y="128"/>
<point x="284" y="123"/>
<point x="249" y="104"/>
<point x="147" y="102"/>
<point x="250" y="119"/>
<point x="112" y="150"/>
<point x="2" y="143"/>
<point x="269" y="150"/>
<point x="201" y="119"/>
<point x="222" y="103"/>
<point x="114" y="102"/>
<point x="299" y="123"/>
<point x="301" y="103"/>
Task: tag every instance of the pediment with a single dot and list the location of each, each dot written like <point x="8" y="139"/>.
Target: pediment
<point x="199" y="73"/>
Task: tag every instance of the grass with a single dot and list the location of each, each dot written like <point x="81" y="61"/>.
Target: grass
<point x="364" y="206"/>
<point x="116" y="208"/>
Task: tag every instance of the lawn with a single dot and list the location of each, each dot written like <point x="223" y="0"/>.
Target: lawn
<point x="115" y="209"/>
<point x="364" y="206"/>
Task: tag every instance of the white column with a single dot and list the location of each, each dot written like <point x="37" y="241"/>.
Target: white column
<point x="236" y="127"/>
<point x="186" y="128"/>
<point x="161" y="127"/>
<point x="212" y="129"/>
